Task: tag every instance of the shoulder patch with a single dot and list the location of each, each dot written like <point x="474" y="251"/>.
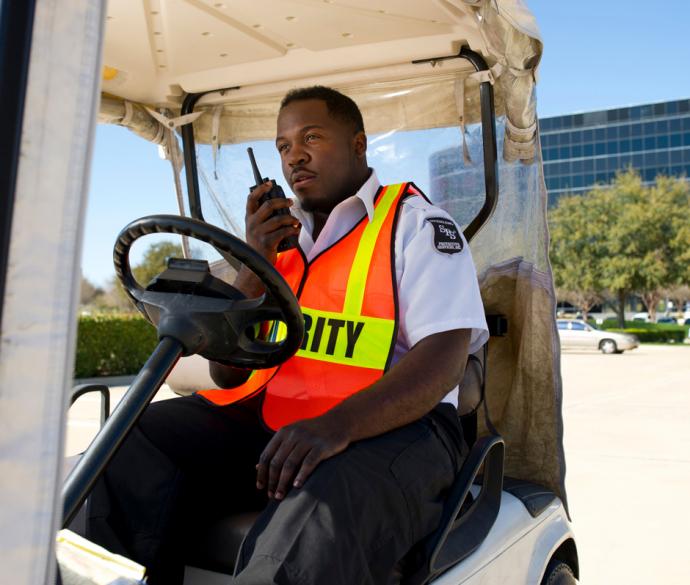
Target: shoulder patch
<point x="447" y="239"/>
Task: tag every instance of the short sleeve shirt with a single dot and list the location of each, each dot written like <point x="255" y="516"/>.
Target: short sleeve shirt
<point x="437" y="286"/>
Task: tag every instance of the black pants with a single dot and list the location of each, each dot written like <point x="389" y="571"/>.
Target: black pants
<point x="188" y="461"/>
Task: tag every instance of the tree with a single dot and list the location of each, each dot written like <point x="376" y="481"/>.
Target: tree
<point x="626" y="237"/>
<point x="677" y="195"/>
<point x="153" y="263"/>
<point x="646" y="245"/>
<point x="679" y="294"/>
<point x="89" y="292"/>
<point x="579" y="228"/>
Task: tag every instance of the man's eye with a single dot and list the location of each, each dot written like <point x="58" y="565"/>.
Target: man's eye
<point x="282" y="147"/>
<point x="310" y="137"/>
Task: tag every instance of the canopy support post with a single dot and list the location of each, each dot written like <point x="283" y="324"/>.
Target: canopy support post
<point x="189" y="151"/>
<point x="486" y="98"/>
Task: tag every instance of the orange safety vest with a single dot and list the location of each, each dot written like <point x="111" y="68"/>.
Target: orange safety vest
<point x="348" y="295"/>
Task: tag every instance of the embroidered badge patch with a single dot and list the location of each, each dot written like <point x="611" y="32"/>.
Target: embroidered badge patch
<point x="447" y="239"/>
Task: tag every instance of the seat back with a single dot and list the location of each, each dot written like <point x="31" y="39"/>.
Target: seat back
<point x="462" y="528"/>
<point x="472" y="388"/>
<point x="471" y="394"/>
<point x="466" y="521"/>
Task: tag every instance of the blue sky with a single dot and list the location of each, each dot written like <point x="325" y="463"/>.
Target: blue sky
<point x="597" y="55"/>
<point x="607" y="53"/>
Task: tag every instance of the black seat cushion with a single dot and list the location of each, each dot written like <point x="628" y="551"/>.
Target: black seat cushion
<point x="217" y="549"/>
<point x="535" y="497"/>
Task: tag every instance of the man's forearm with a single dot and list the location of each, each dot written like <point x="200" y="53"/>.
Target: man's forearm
<point x="409" y="390"/>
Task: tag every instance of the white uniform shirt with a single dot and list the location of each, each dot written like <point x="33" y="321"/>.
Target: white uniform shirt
<point x="437" y="291"/>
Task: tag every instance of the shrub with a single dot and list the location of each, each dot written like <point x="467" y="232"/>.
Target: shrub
<point x="113" y="345"/>
<point x="613" y="323"/>
<point x="669" y="334"/>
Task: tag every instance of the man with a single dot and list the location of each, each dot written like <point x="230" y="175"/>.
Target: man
<point x="355" y="439"/>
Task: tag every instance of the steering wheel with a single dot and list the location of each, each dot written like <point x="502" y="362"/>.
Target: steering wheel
<point x="218" y="327"/>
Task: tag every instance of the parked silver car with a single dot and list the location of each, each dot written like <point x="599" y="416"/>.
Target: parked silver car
<point x="576" y="334"/>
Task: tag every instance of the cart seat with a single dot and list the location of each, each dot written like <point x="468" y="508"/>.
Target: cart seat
<point x="217" y="548"/>
<point x="465" y="523"/>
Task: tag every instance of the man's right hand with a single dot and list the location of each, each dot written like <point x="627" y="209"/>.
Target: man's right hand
<point x="264" y="231"/>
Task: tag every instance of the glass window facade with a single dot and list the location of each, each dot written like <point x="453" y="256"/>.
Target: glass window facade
<point x="580" y="150"/>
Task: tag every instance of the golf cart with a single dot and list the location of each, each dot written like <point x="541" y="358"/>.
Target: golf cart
<point x="451" y="82"/>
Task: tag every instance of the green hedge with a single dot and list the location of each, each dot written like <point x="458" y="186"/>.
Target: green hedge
<point x="647" y="335"/>
<point x="113" y="345"/>
<point x="613" y="323"/>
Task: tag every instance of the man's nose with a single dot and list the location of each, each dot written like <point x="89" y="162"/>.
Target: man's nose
<point x="297" y="156"/>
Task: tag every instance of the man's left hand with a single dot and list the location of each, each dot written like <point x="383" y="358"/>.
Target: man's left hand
<point x="295" y="451"/>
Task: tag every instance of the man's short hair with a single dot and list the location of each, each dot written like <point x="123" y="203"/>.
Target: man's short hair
<point x="339" y="105"/>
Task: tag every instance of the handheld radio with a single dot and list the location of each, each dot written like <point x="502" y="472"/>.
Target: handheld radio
<point x="275" y="192"/>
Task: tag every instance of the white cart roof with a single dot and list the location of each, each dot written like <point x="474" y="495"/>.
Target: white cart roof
<point x="156" y="52"/>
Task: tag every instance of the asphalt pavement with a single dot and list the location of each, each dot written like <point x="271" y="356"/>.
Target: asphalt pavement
<point x="627" y="444"/>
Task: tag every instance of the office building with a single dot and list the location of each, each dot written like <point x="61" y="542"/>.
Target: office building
<point x="580" y="150"/>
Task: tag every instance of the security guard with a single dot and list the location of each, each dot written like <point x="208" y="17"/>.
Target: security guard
<point x="349" y="445"/>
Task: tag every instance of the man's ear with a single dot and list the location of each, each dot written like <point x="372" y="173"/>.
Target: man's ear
<point x="360" y="144"/>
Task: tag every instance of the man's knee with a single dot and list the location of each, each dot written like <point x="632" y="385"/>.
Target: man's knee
<point x="362" y="509"/>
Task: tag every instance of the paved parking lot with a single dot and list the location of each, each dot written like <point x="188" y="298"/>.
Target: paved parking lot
<point x="627" y="442"/>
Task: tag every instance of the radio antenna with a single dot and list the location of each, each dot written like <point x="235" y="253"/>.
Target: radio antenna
<point x="257" y="174"/>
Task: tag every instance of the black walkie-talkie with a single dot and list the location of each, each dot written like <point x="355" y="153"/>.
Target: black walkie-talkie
<point x="275" y="192"/>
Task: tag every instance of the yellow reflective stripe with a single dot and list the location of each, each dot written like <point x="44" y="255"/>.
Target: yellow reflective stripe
<point x="279" y="331"/>
<point x="356" y="284"/>
<point x="350" y="340"/>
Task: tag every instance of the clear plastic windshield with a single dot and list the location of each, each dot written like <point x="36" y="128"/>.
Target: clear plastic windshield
<point x="432" y="158"/>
